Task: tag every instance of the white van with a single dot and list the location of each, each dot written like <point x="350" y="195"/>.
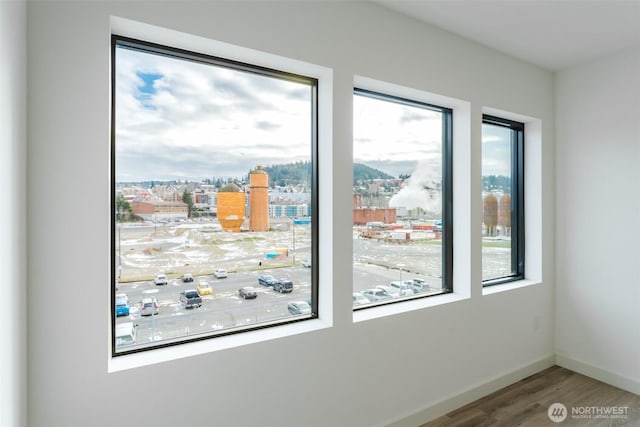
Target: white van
<point x="125" y="334"/>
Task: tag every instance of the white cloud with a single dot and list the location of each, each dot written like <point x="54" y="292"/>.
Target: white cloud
<point x="200" y="119"/>
<point x="392" y="132"/>
<point x="496" y="150"/>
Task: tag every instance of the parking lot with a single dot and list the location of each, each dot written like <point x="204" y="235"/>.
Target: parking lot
<point x="195" y="248"/>
<point x="223" y="309"/>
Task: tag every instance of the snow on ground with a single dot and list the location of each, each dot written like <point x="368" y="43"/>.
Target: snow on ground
<point x="198" y="248"/>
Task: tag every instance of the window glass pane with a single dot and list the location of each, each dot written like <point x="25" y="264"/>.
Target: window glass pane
<point x="213" y="171"/>
<point x="497" y="195"/>
<point x="397" y="199"/>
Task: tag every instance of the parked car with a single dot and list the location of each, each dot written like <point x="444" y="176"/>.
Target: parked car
<point x="299" y="307"/>
<point x="247" y="292"/>
<point x="283" y="285"/>
<point x="220" y="273"/>
<point x="390" y="290"/>
<point x="125" y="334"/>
<point x="190" y="298"/>
<point x="306" y="263"/>
<point x="376" y="294"/>
<point x="160" y="279"/>
<point x="187" y="277"/>
<point x="403" y="288"/>
<point x="358" y="299"/>
<point x="267" y="280"/>
<point x="417" y="288"/>
<point x="419" y="285"/>
<point x="204" y="288"/>
<point x="149" y="307"/>
<point x="122" y="305"/>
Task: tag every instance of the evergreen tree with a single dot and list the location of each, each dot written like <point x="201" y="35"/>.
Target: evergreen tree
<point x="186" y="198"/>
<point x="123" y="209"/>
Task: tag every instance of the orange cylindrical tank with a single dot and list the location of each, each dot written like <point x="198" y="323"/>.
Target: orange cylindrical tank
<point x="258" y="200"/>
<point x="231" y="207"/>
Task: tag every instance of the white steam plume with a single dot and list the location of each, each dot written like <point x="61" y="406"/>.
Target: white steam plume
<point x="421" y="190"/>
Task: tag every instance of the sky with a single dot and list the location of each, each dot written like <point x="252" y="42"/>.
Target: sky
<point x="394" y="137"/>
<point x="401" y="139"/>
<point x="496" y="150"/>
<point x="182" y="120"/>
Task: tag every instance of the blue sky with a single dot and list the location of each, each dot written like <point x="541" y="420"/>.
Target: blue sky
<point x="146" y="90"/>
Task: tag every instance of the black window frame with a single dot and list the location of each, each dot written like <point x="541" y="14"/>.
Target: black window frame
<point x="517" y="199"/>
<point x="447" y="192"/>
<point x="178" y="53"/>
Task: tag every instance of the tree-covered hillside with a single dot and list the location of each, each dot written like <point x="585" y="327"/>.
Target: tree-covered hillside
<point x="362" y="172"/>
<point x="295" y="174"/>
<point x="496" y="183"/>
<point x="299" y="173"/>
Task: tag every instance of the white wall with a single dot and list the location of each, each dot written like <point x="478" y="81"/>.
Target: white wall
<point x="367" y="373"/>
<point x="598" y="219"/>
<point x="13" y="175"/>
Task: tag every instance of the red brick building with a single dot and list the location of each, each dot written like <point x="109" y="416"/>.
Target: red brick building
<point x="361" y="216"/>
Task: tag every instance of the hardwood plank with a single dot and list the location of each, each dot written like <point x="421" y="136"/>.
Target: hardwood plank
<point x="526" y="402"/>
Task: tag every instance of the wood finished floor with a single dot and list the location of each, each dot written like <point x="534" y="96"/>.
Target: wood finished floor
<point x="526" y="403"/>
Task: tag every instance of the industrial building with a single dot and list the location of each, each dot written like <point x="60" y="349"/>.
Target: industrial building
<point x="160" y="210"/>
<point x="231" y="207"/>
<point x="258" y="200"/>
<point x="363" y="215"/>
<point x="289" y="211"/>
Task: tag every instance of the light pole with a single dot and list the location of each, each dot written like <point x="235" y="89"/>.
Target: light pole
<point x="119" y="245"/>
<point x="293" y="228"/>
<point x="153" y="318"/>
<point x="119" y="252"/>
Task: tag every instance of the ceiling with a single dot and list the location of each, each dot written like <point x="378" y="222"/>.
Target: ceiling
<point x="553" y="34"/>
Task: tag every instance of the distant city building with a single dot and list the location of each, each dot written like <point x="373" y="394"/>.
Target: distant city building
<point x="289" y="211"/>
<point x="357" y="200"/>
<point x="200" y="197"/>
<point x="402" y="212"/>
<point x="362" y="216"/>
<point x="280" y="196"/>
<point x="237" y="205"/>
<point x="160" y="210"/>
<point x="169" y="194"/>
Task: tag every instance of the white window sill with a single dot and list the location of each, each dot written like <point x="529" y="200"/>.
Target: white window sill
<point x="405" y="306"/>
<point x="179" y="351"/>
<point x="504" y="287"/>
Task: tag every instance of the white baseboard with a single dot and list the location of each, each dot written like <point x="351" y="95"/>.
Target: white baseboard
<point x="599" y="374"/>
<point x="448" y="404"/>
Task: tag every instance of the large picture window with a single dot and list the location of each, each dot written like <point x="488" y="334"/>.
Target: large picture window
<point x="503" y="200"/>
<point x="402" y="199"/>
<point x="214" y="196"/>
